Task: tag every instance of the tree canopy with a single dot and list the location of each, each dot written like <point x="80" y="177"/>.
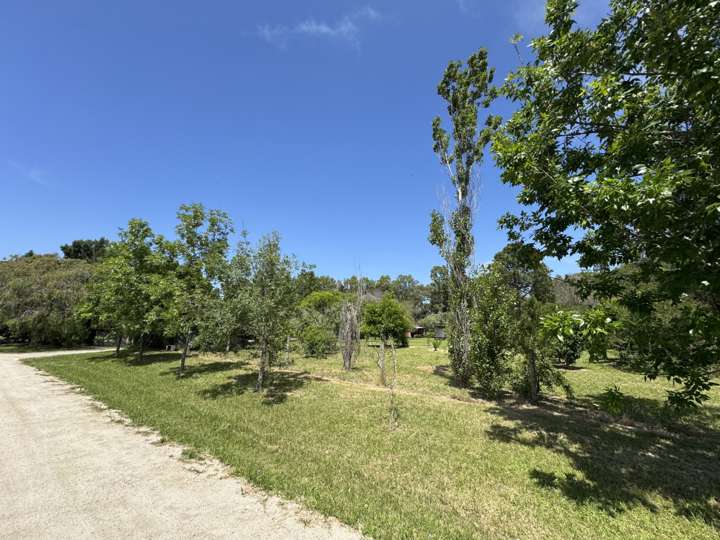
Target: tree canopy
<point x="386" y="319"/>
<point x="88" y="250"/>
<point x="616" y="148"/>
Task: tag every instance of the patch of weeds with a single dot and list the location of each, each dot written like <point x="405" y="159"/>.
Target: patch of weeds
<point x="612" y="401"/>
<point x="190" y="454"/>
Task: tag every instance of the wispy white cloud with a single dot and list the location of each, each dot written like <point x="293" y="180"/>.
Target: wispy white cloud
<point x="28" y="174"/>
<point x="469" y="7"/>
<point x="530" y="14"/>
<point x="347" y="28"/>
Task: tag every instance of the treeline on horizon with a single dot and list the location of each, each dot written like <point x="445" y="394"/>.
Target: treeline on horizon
<point x="42" y="295"/>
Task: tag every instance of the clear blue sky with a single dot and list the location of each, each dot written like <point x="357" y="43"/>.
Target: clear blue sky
<point x="310" y="118"/>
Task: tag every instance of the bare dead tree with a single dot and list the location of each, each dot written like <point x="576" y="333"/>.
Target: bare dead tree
<point x="350" y="326"/>
<point x="349" y="333"/>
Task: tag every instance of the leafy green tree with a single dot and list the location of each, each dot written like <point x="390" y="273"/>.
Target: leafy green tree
<point x="464" y="89"/>
<point x="88" y="250"/>
<point x="601" y="328"/>
<point x="521" y="268"/>
<point x="308" y="282"/>
<point x="227" y="318"/>
<point x="124" y="294"/>
<point x="320" y="322"/>
<point x="39" y="298"/>
<point x="567" y="295"/>
<point x="272" y="298"/>
<point x="494" y="328"/>
<point x="563" y="333"/>
<point x="384" y="284"/>
<point x="439" y="289"/>
<point x="355" y="284"/>
<point x="105" y="306"/>
<point x="616" y="146"/>
<point x="386" y="320"/>
<point x="201" y="249"/>
<point x="412" y="294"/>
<point x="433" y="322"/>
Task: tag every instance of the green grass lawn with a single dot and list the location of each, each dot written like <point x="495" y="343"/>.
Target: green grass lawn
<point x="455" y="468"/>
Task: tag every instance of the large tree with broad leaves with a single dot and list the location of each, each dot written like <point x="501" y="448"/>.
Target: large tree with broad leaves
<point x="616" y="148"/>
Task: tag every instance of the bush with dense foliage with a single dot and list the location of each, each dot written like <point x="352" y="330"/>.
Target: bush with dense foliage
<point x="493" y="330"/>
<point x="386" y="319"/>
<point x="562" y="333"/>
<point x="86" y="250"/>
<point x="39" y="296"/>
<point x="320" y="322"/>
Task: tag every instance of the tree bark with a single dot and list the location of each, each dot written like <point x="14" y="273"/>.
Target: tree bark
<point x="118" y="342"/>
<point x="394" y="413"/>
<point x="394" y="361"/>
<point x="532" y="375"/>
<point x="186" y="347"/>
<point x="142" y="348"/>
<point x="349" y="334"/>
<point x="381" y="363"/>
<point x="288" y="361"/>
<point x="262" y="372"/>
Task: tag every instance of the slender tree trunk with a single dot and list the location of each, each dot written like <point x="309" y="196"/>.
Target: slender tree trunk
<point x="288" y="360"/>
<point x="459" y="346"/>
<point x="262" y="372"/>
<point x="227" y="345"/>
<point x="118" y="342"/>
<point x="394" y="413"/>
<point x="186" y="348"/>
<point x="381" y="363"/>
<point x="347" y="357"/>
<point x="349" y="334"/>
<point x="532" y="375"/>
<point x="394" y="361"/>
<point x="142" y="348"/>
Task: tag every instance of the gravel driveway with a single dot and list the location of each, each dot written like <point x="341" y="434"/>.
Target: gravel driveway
<point x="69" y="469"/>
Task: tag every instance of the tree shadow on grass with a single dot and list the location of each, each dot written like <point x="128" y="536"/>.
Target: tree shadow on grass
<point x="195" y="370"/>
<point x="279" y="386"/>
<point x="619" y="466"/>
<point x="653" y="412"/>
<point x="130" y="358"/>
<point x="571" y="367"/>
<point x="445" y="371"/>
<point x="152" y="358"/>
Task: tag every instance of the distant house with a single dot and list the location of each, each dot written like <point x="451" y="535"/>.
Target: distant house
<point x="418" y="331"/>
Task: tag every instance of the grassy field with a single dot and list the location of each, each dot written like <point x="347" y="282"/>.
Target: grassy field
<point x="456" y="467"/>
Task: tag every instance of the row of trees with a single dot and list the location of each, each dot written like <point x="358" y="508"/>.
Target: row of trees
<point x="615" y="148"/>
<point x="190" y="291"/>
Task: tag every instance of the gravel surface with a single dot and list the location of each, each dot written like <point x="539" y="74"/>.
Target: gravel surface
<point x="69" y="468"/>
